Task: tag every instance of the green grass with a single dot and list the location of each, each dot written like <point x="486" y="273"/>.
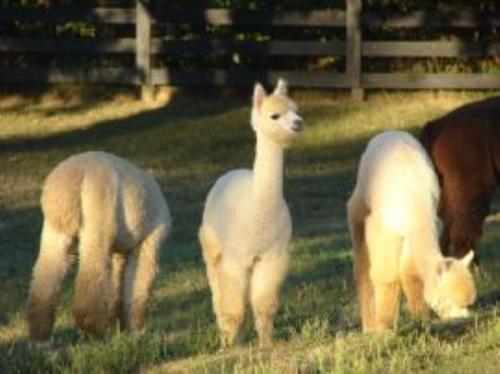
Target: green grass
<point x="187" y="143"/>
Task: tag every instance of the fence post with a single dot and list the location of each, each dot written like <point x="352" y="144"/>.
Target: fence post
<point x="354" y="48"/>
<point x="143" y="48"/>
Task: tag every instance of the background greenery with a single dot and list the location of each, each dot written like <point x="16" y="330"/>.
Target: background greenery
<point x="181" y="30"/>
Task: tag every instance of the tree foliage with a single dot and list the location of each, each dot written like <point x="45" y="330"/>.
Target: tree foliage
<point x="182" y="30"/>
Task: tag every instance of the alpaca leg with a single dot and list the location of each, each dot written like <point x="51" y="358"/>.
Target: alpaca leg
<point x="118" y="262"/>
<point x="212" y="253"/>
<point x="266" y="282"/>
<point x="384" y="249"/>
<point x="364" y="288"/>
<point x="413" y="289"/>
<point x="386" y="305"/>
<point x="233" y="282"/>
<point x="50" y="269"/>
<point x="140" y="273"/>
<point x="92" y="306"/>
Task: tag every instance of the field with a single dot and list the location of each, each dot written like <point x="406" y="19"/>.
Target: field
<point x="186" y="140"/>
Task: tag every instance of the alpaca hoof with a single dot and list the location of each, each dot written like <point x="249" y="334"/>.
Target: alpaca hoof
<point x="42" y="345"/>
<point x="232" y="340"/>
<point x="40" y="326"/>
<point x="265" y="340"/>
<point x="265" y="344"/>
<point x="89" y="325"/>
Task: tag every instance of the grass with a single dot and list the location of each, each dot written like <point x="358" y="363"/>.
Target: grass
<point x="187" y="143"/>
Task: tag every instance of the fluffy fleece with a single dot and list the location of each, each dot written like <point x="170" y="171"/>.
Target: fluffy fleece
<point x="246" y="228"/>
<point x="395" y="233"/>
<point x="116" y="215"/>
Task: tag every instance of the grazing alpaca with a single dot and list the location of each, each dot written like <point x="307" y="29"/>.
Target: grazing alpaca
<point x="117" y="216"/>
<point x="394" y="230"/>
<point x="246" y="228"/>
<point x="465" y="148"/>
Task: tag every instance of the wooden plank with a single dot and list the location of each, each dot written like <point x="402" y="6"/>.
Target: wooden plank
<point x="431" y="81"/>
<point x="459" y="18"/>
<point x="67" y="45"/>
<point x="354" y="44"/>
<point x="245" y="78"/>
<point x="101" y="75"/>
<point x="59" y="15"/>
<point x="239" y="78"/>
<point x="275" y="47"/>
<point x="143" y="47"/>
<point x="225" y="17"/>
<point x="430" y="49"/>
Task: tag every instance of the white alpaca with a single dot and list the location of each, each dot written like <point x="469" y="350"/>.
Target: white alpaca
<point x="116" y="214"/>
<point x="395" y="232"/>
<point x="246" y="228"/>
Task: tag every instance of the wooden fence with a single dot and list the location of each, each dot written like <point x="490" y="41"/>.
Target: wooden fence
<point x="144" y="45"/>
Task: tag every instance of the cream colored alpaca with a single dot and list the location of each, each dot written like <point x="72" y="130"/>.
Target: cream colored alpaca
<point x="116" y="214"/>
<point x="394" y="229"/>
<point x="246" y="228"/>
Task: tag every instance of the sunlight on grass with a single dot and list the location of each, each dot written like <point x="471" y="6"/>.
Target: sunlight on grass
<point x="59" y="111"/>
<point x="187" y="144"/>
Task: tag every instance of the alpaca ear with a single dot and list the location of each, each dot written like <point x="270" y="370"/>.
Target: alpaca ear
<point x="444" y="266"/>
<point x="467" y="260"/>
<point x="281" y="88"/>
<point x="259" y="94"/>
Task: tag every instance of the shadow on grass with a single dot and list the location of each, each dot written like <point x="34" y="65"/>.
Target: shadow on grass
<point x="23" y="356"/>
<point x="19" y="230"/>
<point x="488" y="300"/>
<point x="177" y="109"/>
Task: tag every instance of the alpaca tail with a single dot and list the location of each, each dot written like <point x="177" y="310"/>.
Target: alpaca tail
<point x="93" y="291"/>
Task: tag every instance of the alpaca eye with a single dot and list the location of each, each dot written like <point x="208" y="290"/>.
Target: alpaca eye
<point x="275" y="116"/>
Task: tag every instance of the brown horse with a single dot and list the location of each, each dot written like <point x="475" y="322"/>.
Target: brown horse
<point x="465" y="148"/>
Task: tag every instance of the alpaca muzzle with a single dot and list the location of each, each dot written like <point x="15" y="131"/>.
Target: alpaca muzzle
<point x="297" y="125"/>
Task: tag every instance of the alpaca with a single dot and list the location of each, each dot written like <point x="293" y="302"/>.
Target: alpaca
<point x="394" y="228"/>
<point x="246" y="228"/>
<point x="116" y="214"/>
<point x="465" y="148"/>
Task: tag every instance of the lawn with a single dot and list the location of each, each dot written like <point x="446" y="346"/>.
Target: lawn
<point x="187" y="141"/>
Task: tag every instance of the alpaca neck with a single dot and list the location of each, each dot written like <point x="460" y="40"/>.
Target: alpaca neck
<point x="426" y="252"/>
<point x="268" y="174"/>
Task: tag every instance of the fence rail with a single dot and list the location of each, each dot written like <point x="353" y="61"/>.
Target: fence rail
<point x="224" y="17"/>
<point x="460" y="18"/>
<point x="145" y="45"/>
<point x="55" y="15"/>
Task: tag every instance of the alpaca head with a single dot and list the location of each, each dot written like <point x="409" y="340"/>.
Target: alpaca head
<point x="275" y="115"/>
<point x="453" y="289"/>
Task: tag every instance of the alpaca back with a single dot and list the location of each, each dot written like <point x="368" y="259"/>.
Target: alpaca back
<point x="397" y="180"/>
<point x="94" y="184"/>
